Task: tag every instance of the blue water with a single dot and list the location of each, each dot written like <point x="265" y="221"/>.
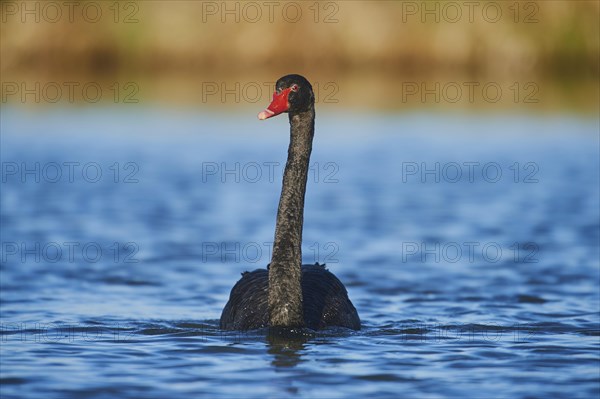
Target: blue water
<point x="469" y="245"/>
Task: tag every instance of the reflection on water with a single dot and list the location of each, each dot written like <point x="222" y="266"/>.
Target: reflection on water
<point x="286" y="349"/>
<point x="468" y="244"/>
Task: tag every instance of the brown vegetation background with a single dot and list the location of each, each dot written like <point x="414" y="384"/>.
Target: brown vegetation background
<point x="367" y="47"/>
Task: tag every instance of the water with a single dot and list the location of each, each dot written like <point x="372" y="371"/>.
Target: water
<point x="468" y="244"/>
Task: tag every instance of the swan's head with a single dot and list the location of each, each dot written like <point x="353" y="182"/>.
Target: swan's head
<point x="293" y="94"/>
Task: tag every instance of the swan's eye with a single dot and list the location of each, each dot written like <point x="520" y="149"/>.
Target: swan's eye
<point x="294" y="87"/>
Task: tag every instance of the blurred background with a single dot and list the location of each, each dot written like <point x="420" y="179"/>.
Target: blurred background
<point x="453" y="188"/>
<point x="169" y="49"/>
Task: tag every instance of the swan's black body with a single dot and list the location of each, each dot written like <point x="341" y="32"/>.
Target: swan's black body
<point x="324" y="298"/>
<point x="288" y="294"/>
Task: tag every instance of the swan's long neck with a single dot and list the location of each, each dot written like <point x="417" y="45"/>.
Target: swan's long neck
<point x="285" y="271"/>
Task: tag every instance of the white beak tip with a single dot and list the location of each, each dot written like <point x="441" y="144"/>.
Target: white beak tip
<point x="265" y="114"/>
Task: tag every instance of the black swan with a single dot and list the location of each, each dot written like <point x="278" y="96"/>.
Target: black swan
<point x="288" y="294"/>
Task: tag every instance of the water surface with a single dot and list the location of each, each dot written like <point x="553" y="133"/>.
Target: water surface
<point x="468" y="243"/>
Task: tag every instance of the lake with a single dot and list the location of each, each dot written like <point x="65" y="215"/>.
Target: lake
<point x="469" y="244"/>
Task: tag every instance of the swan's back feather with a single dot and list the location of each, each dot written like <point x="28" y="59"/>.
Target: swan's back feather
<point x="325" y="301"/>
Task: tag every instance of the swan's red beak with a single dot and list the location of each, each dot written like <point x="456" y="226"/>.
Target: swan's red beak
<point x="278" y="105"/>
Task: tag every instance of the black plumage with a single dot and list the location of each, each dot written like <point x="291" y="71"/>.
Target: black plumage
<point x="324" y="298"/>
<point x="288" y="294"/>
